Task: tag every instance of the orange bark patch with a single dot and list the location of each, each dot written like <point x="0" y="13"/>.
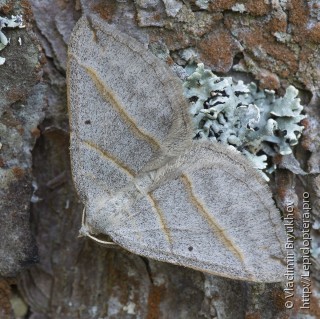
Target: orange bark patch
<point x="157" y="17"/>
<point x="257" y="7"/>
<point x="308" y="60"/>
<point x="253" y="315"/>
<point x="268" y="80"/>
<point x="305" y="122"/>
<point x="35" y="132"/>
<point x="2" y="162"/>
<point x="265" y="47"/>
<point x="314" y="33"/>
<point x="16" y="95"/>
<point x="27" y="10"/>
<point x="298" y="12"/>
<point x="174" y="40"/>
<point x="316" y="5"/>
<point x="314" y="306"/>
<point x="20" y="129"/>
<point x="18" y="172"/>
<point x="279" y="299"/>
<point x="5" y="305"/>
<point x="277" y="24"/>
<point x="155" y="297"/>
<point x="106" y="9"/>
<point x="169" y="60"/>
<point x="306" y="140"/>
<point x="282" y="184"/>
<point x="298" y="15"/>
<point x="7" y="8"/>
<point x="277" y="159"/>
<point x="218" y="50"/>
<point x="222" y="4"/>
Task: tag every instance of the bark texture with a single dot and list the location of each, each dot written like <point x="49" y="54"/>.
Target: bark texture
<point x="274" y="42"/>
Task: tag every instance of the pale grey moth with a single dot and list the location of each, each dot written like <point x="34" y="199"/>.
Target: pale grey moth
<point x="142" y="179"/>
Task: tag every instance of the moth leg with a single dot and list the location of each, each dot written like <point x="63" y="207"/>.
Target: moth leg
<point x="84" y="231"/>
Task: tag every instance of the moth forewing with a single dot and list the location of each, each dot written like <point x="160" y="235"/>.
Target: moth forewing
<point x="198" y="205"/>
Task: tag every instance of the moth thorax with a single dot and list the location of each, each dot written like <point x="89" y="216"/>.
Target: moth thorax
<point x="143" y="182"/>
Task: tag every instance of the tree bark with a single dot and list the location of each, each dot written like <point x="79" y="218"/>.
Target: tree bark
<point x="46" y="270"/>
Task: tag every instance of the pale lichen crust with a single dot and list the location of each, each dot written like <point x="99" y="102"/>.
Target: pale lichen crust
<point x="13" y="22"/>
<point x="255" y="122"/>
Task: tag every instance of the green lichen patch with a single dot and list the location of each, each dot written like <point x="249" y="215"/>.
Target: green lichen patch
<point x="256" y="122"/>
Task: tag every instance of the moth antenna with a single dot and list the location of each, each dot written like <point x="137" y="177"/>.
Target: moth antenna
<point x="84" y="231"/>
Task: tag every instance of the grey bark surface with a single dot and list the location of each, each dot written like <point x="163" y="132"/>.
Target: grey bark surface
<point x="46" y="270"/>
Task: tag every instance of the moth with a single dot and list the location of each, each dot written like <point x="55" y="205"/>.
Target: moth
<point x="144" y="181"/>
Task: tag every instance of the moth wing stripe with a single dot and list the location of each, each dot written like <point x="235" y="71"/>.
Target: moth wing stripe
<point x="111" y="158"/>
<point x="214" y="225"/>
<point x="111" y="97"/>
<point x="164" y="227"/>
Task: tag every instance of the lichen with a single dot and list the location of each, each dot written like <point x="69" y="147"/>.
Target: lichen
<point x="13" y="22"/>
<point x="203" y="4"/>
<point x="239" y="7"/>
<point x="172" y="7"/>
<point x="255" y="122"/>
